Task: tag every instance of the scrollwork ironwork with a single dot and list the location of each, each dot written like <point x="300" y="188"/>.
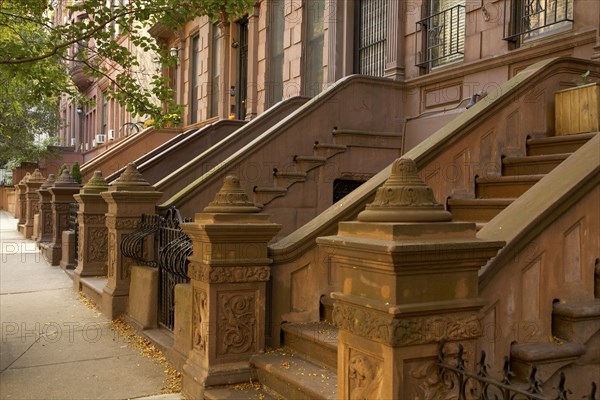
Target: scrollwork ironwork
<point x="479" y="385"/>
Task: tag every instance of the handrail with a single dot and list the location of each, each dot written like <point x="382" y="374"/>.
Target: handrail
<point x="245" y="152"/>
<point x="551" y="197"/>
<point x="244" y="131"/>
<point x="91" y="165"/>
<point x="293" y="245"/>
<point x="171" y="145"/>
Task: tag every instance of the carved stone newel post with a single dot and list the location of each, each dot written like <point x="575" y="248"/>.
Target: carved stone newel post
<point x="127" y="198"/>
<point x="45" y="199"/>
<point x="409" y="279"/>
<point x="93" y="235"/>
<point x="62" y="192"/>
<point x="21" y="207"/>
<point x="32" y="200"/>
<point x="229" y="269"/>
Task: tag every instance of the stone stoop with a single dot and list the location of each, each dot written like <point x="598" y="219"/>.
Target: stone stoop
<point x="519" y="174"/>
<point x="282" y="180"/>
<point x="548" y="357"/>
<point x="294" y="377"/>
<point x="577" y="321"/>
<point x="305" y="367"/>
<point x="322" y="152"/>
<point x="557" y="144"/>
<point x="532" y="165"/>
<point x="574" y="325"/>
<point x="316" y="341"/>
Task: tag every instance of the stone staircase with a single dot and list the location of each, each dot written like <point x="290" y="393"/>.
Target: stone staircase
<point x="299" y="166"/>
<point x="494" y="194"/>
<point x="573" y="326"/>
<point x="305" y="367"/>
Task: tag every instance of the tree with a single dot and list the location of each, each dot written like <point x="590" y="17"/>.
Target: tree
<point x="90" y="38"/>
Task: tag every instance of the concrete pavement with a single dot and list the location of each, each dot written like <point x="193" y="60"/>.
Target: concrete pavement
<point x="54" y="347"/>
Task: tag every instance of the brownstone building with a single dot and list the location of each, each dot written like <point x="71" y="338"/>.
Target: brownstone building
<point x="464" y="88"/>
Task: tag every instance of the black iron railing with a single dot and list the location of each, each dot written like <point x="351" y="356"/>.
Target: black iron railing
<point x="171" y="249"/>
<point x="174" y="248"/>
<point x="139" y="244"/>
<point x="527" y="19"/>
<point x="442" y="38"/>
<point x="465" y="384"/>
<point x="74" y="227"/>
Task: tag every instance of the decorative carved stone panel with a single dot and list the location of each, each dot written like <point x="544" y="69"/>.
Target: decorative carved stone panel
<point x="112" y="256"/>
<point x="383" y="328"/>
<point x="236" y="323"/>
<point x="97" y="246"/>
<point x="199" y="320"/>
<point x="365" y="375"/>
<point x="206" y="273"/>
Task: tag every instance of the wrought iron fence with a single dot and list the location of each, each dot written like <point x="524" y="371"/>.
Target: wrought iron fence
<point x="174" y="248"/>
<point x="171" y="249"/>
<point x="74" y="226"/>
<point x="442" y="38"/>
<point x="134" y="245"/>
<point x="465" y="384"/>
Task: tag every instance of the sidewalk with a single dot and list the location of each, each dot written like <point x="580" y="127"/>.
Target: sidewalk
<point x="52" y="346"/>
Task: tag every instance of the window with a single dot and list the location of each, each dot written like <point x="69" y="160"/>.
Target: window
<point x="194" y="71"/>
<point x="530" y="19"/>
<point x="275" y="84"/>
<point x="242" y="92"/>
<point x="314" y="54"/>
<point x="103" y="128"/>
<point x="443" y="34"/>
<point x="371" y="36"/>
<point x="215" y="68"/>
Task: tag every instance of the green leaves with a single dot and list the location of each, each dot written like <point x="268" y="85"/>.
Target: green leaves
<point x="41" y="41"/>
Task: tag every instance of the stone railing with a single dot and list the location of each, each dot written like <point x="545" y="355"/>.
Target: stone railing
<point x="449" y="160"/>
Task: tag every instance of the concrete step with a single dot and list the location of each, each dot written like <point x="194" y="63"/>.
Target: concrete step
<point x="504" y="186"/>
<point x="577" y="321"/>
<point x="294" y="377"/>
<point x="557" y="144"/>
<point x="284" y="179"/>
<point x="547" y="357"/>
<point x="477" y="210"/>
<point x="263" y="195"/>
<point x="361" y="138"/>
<point x="316" y="341"/>
<point x="307" y="163"/>
<point x="328" y="150"/>
<point x="246" y="391"/>
<point x="532" y="165"/>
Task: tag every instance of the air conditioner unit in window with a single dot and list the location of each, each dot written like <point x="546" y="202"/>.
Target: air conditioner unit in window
<point x="111" y="134"/>
<point x="100" y="139"/>
<point x="72" y="141"/>
<point x="87" y="146"/>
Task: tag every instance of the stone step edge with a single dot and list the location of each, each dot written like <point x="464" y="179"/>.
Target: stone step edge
<point x="560" y="139"/>
<point x="297" y="372"/>
<point x="311" y="332"/>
